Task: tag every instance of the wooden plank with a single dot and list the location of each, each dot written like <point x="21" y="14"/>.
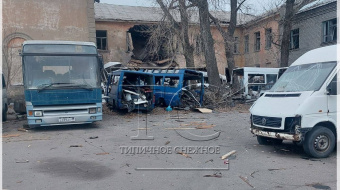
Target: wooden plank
<point x="228" y="154"/>
<point x="204" y="110"/>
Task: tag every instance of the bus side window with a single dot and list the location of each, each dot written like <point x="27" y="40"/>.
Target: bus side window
<point x="171" y="81"/>
<point x="158" y="80"/>
<point x="115" y="80"/>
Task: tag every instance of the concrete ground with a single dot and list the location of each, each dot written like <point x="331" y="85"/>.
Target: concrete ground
<point x="90" y="156"/>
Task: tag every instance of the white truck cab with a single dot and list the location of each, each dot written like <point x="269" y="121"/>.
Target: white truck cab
<point x="301" y="106"/>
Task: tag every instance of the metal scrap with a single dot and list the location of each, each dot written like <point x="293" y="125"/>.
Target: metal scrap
<point x="186" y="155"/>
<point x="71" y="146"/>
<point x="246" y="181"/>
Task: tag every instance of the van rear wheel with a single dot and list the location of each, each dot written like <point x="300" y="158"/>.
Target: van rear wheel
<point x="319" y="142"/>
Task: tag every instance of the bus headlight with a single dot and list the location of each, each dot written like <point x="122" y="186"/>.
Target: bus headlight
<point x="38" y="114"/>
<point x="99" y="109"/>
<point x="92" y="110"/>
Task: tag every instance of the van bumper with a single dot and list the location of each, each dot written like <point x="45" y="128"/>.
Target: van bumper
<point x="276" y="135"/>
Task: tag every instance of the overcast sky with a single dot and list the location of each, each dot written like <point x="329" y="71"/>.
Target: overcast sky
<point x="258" y="6"/>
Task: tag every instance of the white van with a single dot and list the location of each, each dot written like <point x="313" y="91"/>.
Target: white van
<point x="255" y="80"/>
<point x="301" y="106"/>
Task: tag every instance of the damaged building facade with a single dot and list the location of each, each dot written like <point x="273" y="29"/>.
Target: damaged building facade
<point x="123" y="33"/>
<point x="40" y="20"/>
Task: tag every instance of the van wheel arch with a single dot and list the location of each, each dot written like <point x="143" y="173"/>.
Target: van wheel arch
<point x="328" y="125"/>
<point x="319" y="142"/>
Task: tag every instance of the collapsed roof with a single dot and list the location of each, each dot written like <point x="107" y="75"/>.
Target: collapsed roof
<point x="110" y="12"/>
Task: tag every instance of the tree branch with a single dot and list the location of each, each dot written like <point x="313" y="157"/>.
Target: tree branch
<point x="239" y="6"/>
<point x="168" y="14"/>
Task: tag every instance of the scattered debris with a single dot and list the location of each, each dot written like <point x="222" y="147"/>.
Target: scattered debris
<point x="167" y="142"/>
<point x="253" y="173"/>
<point x="204" y="110"/>
<point x="76" y="145"/>
<point x="94" y="137"/>
<point x="186" y="155"/>
<point x="24" y="161"/>
<point x="205" y="126"/>
<point x="8" y="136"/>
<point x="218" y="175"/>
<point x="199" y="125"/>
<point x="276" y="169"/>
<point x="285" y="150"/>
<point x="103" y="153"/>
<point x="211" y="160"/>
<point x="318" y="186"/>
<point x="179" y="128"/>
<point x="246" y="181"/>
<point x="228" y="154"/>
<point x="311" y="159"/>
<point x="22" y="129"/>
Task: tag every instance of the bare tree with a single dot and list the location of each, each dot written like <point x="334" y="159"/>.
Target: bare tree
<point x="291" y="8"/>
<point x="181" y="28"/>
<point x="208" y="41"/>
<point x="228" y="36"/>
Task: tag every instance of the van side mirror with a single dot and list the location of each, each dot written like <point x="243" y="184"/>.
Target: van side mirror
<point x="332" y="88"/>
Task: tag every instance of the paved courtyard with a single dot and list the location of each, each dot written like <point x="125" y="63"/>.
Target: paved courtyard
<point x="103" y="155"/>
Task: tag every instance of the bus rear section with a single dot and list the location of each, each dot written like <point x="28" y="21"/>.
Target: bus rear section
<point x="62" y="82"/>
<point x="130" y="90"/>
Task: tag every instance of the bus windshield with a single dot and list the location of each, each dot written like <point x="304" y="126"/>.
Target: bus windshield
<point x="308" y="77"/>
<point x="61" y="71"/>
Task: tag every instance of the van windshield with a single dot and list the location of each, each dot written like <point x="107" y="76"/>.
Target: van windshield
<point x="308" y="77"/>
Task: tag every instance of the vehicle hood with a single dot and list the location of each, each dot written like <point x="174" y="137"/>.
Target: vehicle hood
<point x="280" y="104"/>
<point x="63" y="96"/>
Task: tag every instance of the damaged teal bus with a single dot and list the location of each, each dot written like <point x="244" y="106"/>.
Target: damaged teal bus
<point x="61" y="82"/>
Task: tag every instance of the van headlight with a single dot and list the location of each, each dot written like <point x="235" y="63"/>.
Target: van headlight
<point x="92" y="110"/>
<point x="38" y="113"/>
<point x="292" y="122"/>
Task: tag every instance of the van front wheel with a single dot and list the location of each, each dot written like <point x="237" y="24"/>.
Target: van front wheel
<point x="319" y="142"/>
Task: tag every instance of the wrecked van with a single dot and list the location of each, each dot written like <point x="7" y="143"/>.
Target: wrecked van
<point x="130" y="90"/>
<point x="301" y="106"/>
<point x="178" y="87"/>
<point x="255" y="80"/>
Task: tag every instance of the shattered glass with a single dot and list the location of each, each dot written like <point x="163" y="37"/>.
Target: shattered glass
<point x="308" y="77"/>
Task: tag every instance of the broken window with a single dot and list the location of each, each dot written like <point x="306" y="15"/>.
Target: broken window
<point x="246" y="44"/>
<point x="268" y="38"/>
<point x="257" y="44"/>
<point x="158" y="80"/>
<point x="256" y="79"/>
<point x="171" y="81"/>
<point x="329" y="31"/>
<point x="101" y="37"/>
<point x="307" y="77"/>
<point x="115" y="79"/>
<point x="294" y="39"/>
<point x="271" y="79"/>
